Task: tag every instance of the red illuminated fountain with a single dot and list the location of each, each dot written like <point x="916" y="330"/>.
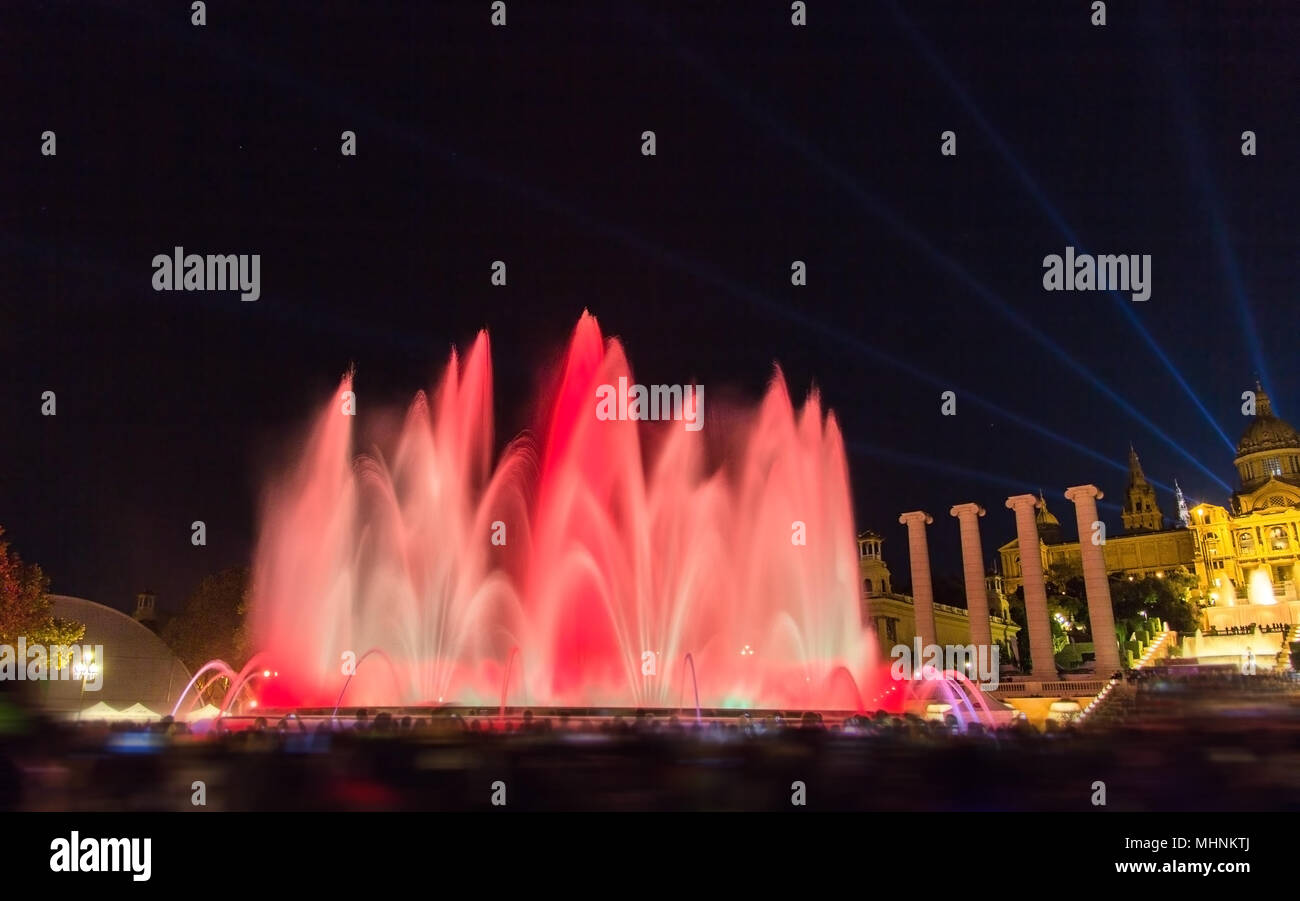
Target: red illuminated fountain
<point x="627" y="546"/>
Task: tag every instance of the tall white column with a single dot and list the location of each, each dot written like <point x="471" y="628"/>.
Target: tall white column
<point x="922" y="588"/>
<point x="972" y="560"/>
<point x="1031" y="573"/>
<point x="1100" y="612"/>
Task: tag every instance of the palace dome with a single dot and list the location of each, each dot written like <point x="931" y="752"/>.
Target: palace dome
<point x="1266" y="432"/>
<point x="1049" y="527"/>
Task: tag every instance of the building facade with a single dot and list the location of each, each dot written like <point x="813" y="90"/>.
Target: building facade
<point x="893" y="615"/>
<point x="1243" y="553"/>
<point x="1246" y="552"/>
<point x="1145" y="548"/>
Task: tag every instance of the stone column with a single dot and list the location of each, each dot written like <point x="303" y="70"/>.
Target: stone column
<point x="1100" y="612"/>
<point x="922" y="588"/>
<point x="1031" y="574"/>
<point x="972" y="559"/>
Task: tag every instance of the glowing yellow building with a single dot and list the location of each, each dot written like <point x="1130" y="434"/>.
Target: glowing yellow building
<point x="1146" y="547"/>
<point x="894" y="616"/>
<point x="1246" y="553"/>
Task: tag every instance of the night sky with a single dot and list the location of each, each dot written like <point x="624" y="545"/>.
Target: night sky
<point x="775" y="143"/>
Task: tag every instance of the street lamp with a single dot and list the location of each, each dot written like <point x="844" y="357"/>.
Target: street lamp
<point x="84" y="669"/>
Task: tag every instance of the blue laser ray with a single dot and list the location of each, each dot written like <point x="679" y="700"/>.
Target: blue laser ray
<point x="1197" y="159"/>
<point x="914" y="237"/>
<point x="859" y="448"/>
<point x="705" y="272"/>
<point x="965" y="394"/>
<point x="1030" y="185"/>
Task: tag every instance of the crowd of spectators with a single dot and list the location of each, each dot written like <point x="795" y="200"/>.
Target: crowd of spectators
<point x="1177" y="751"/>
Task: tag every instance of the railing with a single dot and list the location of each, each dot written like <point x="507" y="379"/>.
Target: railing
<point x="1091" y="687"/>
<point x="946" y="608"/>
<point x="1030" y="687"/>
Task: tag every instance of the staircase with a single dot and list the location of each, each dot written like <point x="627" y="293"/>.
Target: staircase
<point x="1113" y="710"/>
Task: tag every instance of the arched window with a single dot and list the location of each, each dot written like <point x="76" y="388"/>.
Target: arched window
<point x="1277" y="538"/>
<point x="1246" y="540"/>
<point x="866" y="585"/>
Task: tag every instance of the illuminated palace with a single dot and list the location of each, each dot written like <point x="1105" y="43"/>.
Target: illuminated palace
<point x="1246" y="552"/>
<point x="1145" y="548"/>
<point x="1244" y="555"/>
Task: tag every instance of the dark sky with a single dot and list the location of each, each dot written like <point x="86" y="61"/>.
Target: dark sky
<point x="775" y="143"/>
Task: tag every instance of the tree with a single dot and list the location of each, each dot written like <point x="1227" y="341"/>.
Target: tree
<point x="1164" y="598"/>
<point x="210" y="627"/>
<point x="1016" y="603"/>
<point x="1066" y="592"/>
<point x="1069" y="657"/>
<point x="25" y="606"/>
<point x="1063" y="584"/>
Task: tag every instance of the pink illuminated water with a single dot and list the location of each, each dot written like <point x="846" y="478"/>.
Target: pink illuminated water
<point x="626" y="546"/>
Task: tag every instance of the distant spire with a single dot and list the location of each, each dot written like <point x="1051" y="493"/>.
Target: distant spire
<point x="1043" y="514"/>
<point x="1183" y="513"/>
<point x="1141" y="511"/>
<point x="1136" y="475"/>
<point x="1263" y="406"/>
<point x="1133" y="464"/>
